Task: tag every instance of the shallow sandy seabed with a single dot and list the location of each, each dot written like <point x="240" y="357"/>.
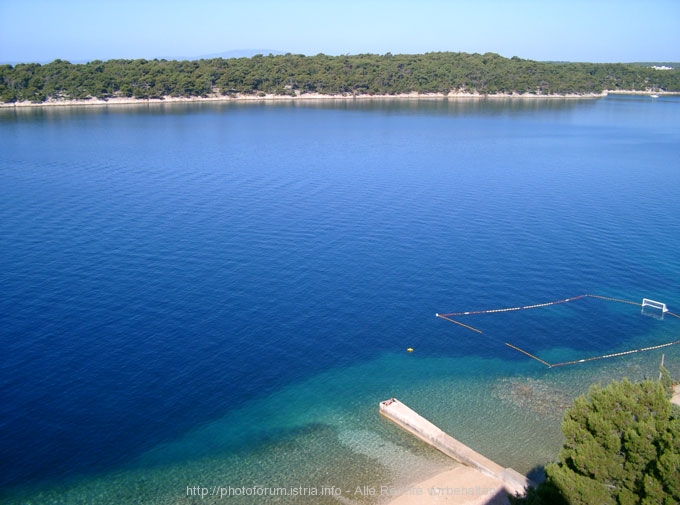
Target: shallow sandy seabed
<point x="461" y="485"/>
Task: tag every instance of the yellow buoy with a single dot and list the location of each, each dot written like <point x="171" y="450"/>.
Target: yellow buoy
<point x="410" y="349"/>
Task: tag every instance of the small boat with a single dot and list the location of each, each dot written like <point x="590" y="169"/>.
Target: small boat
<point x="654" y="96"/>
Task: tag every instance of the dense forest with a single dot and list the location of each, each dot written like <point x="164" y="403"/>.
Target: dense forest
<point x="292" y="74"/>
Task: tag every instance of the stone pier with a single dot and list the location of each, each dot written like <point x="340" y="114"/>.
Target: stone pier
<point x="417" y="425"/>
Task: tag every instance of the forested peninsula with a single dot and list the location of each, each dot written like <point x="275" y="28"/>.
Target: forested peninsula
<point x="294" y="75"/>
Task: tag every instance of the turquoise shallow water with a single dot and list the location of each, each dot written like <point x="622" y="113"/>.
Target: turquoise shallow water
<point x="204" y="295"/>
<point x="327" y="432"/>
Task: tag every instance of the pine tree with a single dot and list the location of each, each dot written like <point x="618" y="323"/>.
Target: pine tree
<point x="622" y="447"/>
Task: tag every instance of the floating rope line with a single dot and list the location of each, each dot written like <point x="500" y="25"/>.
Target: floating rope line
<point x="511" y="309"/>
<point x="617" y="354"/>
<point x="448" y="317"/>
<point x="530" y="355"/>
<point x="584" y="360"/>
<point x="614" y="300"/>
<point x="538" y="306"/>
<point x="442" y="316"/>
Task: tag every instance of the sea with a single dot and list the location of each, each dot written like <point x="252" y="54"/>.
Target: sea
<point x="206" y="302"/>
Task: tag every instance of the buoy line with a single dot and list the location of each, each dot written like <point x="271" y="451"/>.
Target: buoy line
<point x="534" y="306"/>
<point x="593" y="358"/>
<point x="449" y="316"/>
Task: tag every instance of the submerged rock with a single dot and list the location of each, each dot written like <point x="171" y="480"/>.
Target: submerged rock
<point x="538" y="396"/>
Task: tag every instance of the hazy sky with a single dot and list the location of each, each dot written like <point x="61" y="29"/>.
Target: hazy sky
<point x="576" y="30"/>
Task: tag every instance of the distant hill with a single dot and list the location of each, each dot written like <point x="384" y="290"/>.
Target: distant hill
<point x="670" y="64"/>
<point x="239" y="53"/>
<point x="235" y="53"/>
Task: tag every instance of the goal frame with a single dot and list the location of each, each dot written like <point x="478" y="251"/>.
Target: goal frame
<point x="653" y="304"/>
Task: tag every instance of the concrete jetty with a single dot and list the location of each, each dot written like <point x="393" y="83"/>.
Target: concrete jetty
<point x="417" y="425"/>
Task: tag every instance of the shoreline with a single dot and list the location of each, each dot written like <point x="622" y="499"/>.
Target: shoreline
<point x="461" y="485"/>
<point x="94" y="102"/>
<point x="313" y="97"/>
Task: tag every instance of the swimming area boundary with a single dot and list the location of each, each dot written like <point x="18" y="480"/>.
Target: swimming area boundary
<point x="449" y="317"/>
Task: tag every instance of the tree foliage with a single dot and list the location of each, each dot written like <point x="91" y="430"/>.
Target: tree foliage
<point x="293" y="74"/>
<point x="622" y="447"/>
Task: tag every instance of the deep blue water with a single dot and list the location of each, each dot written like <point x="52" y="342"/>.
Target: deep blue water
<point x="164" y="266"/>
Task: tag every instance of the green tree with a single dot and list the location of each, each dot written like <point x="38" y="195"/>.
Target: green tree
<point x="361" y="73"/>
<point x="622" y="447"/>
